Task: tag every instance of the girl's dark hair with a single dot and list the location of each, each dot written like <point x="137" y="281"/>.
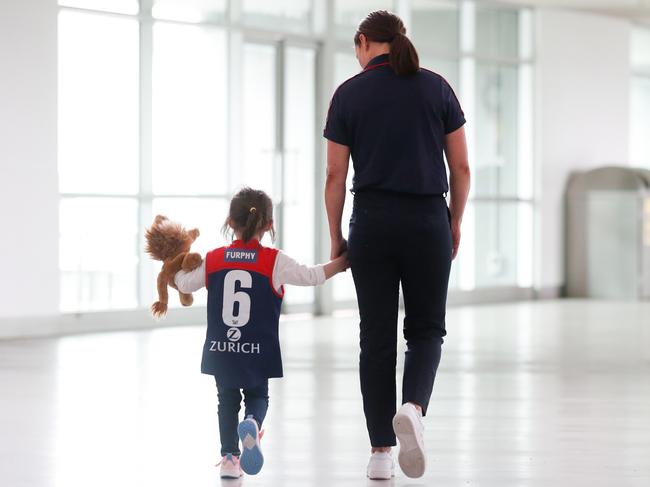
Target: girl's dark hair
<point x="383" y="26"/>
<point x="251" y="210"/>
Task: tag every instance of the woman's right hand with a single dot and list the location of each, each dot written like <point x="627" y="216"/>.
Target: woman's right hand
<point x="337" y="247"/>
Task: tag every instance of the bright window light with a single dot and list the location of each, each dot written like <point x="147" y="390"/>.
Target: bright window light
<point x="300" y="145"/>
<point x="98" y="104"/>
<point x="189" y="10"/>
<point x="189" y="110"/>
<point x="288" y="9"/>
<point x="98" y="253"/>
<point x="117" y="6"/>
<point x="260" y="168"/>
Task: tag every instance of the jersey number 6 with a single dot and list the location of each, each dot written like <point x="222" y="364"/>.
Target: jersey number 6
<point x="230" y="297"/>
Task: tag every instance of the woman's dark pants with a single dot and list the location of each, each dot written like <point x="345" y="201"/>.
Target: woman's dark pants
<point x="397" y="239"/>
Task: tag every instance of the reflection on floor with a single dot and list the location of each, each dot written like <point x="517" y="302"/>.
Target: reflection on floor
<point x="529" y="394"/>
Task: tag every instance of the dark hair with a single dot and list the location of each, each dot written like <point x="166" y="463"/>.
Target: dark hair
<point x="383" y="26"/>
<point x="250" y="211"/>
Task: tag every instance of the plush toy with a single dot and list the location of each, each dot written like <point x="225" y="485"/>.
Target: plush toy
<point x="170" y="243"/>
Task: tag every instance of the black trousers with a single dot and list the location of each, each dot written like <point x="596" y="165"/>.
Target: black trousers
<point x="256" y="400"/>
<point x="397" y="239"/>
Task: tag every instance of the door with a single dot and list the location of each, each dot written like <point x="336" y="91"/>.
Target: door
<point x="278" y="136"/>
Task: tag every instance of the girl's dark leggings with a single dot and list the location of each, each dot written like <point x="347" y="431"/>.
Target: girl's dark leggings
<point x="397" y="239"/>
<point x="256" y="401"/>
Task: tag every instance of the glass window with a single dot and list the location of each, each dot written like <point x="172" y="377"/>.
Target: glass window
<point x="194" y="166"/>
<point x="98" y="104"/>
<point x="525" y="247"/>
<point x="98" y="254"/>
<point x="496" y="251"/>
<point x="345" y="66"/>
<point x="434" y="26"/>
<point x="496" y="134"/>
<point x="462" y="268"/>
<point x="497" y="32"/>
<point x="190" y="10"/>
<point x="640" y="122"/>
<point x="299" y="197"/>
<point x="496" y="247"/>
<point x="189" y="110"/>
<point x="118" y="6"/>
<point x="640" y="97"/>
<point x="284" y="14"/>
<point x="349" y="13"/>
<point x="447" y="68"/>
<point x="525" y="122"/>
<point x="259" y="168"/>
<point x="640" y="49"/>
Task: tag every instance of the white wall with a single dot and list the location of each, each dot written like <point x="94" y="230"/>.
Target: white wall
<point x="582" y="116"/>
<point x="28" y="172"/>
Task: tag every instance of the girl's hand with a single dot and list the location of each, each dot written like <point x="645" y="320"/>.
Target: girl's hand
<point x="336" y="265"/>
<point x="343" y="263"/>
<point x="338" y="246"/>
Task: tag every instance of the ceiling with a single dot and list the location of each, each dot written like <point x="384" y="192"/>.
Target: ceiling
<point x="634" y="10"/>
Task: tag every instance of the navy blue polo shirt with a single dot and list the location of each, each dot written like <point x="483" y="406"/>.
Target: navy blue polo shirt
<point x="395" y="127"/>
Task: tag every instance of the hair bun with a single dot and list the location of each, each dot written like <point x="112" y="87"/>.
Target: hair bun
<point x="383" y="26"/>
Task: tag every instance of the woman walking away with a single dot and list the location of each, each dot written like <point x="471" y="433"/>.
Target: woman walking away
<point x="396" y="120"/>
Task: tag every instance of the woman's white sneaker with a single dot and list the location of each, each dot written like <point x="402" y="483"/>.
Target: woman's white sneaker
<point x="381" y="466"/>
<point x="408" y="427"/>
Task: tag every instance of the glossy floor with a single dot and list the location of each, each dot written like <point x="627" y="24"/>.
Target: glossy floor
<point x="531" y="394"/>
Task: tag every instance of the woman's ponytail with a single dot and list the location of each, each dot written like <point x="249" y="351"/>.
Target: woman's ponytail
<point x="403" y="57"/>
<point x="383" y="26"/>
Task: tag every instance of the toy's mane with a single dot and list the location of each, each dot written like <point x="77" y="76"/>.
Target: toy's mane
<point x="165" y="240"/>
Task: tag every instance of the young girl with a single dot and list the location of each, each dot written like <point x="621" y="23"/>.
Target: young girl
<point x="242" y="350"/>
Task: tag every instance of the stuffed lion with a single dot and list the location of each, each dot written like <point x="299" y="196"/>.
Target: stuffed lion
<point x="170" y="243"/>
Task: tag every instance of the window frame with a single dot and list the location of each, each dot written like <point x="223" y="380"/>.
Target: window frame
<point x="322" y="34"/>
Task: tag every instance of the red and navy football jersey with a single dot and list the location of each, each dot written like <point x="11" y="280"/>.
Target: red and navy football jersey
<point x="242" y="346"/>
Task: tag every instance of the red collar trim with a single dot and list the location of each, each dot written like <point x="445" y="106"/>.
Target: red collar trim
<point x="373" y="66"/>
<point x="251" y="244"/>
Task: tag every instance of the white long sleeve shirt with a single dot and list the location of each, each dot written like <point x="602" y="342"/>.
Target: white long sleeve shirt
<point x="285" y="271"/>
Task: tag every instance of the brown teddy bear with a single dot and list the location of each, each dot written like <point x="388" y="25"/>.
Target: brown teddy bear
<point x="170" y="243"/>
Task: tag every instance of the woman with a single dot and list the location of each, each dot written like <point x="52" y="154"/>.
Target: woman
<point x="396" y="120"/>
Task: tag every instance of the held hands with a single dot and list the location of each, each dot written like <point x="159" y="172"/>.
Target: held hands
<point x="339" y="254"/>
<point x="339" y="258"/>
<point x="341" y="263"/>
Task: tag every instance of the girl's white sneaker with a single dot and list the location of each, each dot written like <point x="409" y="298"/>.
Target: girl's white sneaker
<point x="230" y="468"/>
<point x="408" y="427"/>
<point x="381" y="466"/>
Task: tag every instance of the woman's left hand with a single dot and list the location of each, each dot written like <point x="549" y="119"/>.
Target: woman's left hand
<point x="338" y="246"/>
<point x="455" y="236"/>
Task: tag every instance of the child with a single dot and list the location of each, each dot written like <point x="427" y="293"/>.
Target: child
<point x="245" y="289"/>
